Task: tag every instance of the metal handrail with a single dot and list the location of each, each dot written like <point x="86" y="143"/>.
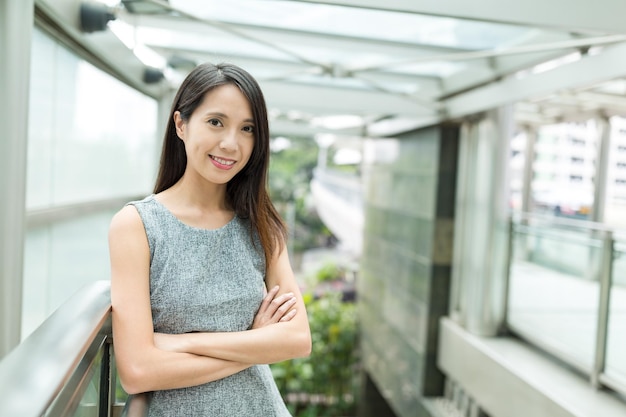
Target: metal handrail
<point x="558" y="235"/>
<point x="35" y="373"/>
<point x="44" y="216"/>
<point x="607" y="239"/>
<point x="588" y="225"/>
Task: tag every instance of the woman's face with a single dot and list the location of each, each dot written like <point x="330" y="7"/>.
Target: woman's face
<point x="219" y="135"/>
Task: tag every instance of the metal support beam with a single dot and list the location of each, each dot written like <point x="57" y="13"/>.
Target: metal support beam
<point x="592" y="69"/>
<point x="603" y="128"/>
<point x="16" y="26"/>
<point x="529" y="158"/>
<point x="605" y="277"/>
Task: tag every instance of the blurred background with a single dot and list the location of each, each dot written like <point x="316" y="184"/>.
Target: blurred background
<point x="453" y="176"/>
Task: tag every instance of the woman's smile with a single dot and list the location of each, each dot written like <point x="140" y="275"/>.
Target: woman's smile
<point x="222" y="163"/>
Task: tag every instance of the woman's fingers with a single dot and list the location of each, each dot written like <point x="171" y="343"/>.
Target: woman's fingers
<point x="275" y="308"/>
<point x="291" y="314"/>
<point x="268" y="299"/>
<point x="287" y="301"/>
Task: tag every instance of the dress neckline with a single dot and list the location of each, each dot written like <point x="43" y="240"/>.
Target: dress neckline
<point x="179" y="221"/>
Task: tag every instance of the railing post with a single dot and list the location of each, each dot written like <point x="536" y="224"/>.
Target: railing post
<point x="605" y="280"/>
<point x="507" y="277"/>
<point x="104" y="403"/>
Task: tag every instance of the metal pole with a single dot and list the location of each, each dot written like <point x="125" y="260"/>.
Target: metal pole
<point x="527" y="195"/>
<point x="104" y="404"/>
<point x="602" y="166"/>
<point x="529" y="158"/>
<point x="603" y="130"/>
<point x="605" y="279"/>
<point x="507" y="276"/>
<point x="16" y="26"/>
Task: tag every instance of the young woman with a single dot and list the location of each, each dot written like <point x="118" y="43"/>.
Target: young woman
<point x="202" y="290"/>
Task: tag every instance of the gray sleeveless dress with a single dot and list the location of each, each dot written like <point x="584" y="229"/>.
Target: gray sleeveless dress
<point x="207" y="281"/>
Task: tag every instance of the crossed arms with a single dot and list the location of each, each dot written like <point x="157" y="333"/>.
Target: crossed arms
<point x="149" y="361"/>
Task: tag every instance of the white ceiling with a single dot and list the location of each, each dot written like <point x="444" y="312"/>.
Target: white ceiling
<point x="390" y="66"/>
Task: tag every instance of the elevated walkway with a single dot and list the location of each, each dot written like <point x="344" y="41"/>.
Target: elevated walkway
<point x="560" y="313"/>
<point x="339" y="203"/>
<point x="66" y="367"/>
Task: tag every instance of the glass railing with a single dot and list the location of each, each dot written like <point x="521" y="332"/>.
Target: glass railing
<point x="567" y="293"/>
<point x="615" y="366"/>
<point x="63" y="367"/>
<point x="66" y="367"/>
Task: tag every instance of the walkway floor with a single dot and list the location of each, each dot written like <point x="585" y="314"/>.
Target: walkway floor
<point x="559" y="312"/>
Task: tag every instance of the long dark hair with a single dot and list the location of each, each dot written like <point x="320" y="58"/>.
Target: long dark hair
<point x="247" y="192"/>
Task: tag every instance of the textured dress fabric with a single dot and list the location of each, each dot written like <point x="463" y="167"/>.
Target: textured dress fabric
<point x="207" y="281"/>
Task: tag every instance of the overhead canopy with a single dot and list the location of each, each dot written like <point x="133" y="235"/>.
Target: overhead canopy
<point x="371" y="67"/>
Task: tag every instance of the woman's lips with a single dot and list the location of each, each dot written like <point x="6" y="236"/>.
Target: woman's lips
<point x="222" y="163"/>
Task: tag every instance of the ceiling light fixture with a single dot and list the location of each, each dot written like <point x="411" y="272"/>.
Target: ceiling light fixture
<point x="94" y="17"/>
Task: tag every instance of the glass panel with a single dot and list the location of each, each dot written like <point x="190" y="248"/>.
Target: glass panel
<point x="91" y="137"/>
<point x="616" y="354"/>
<point x="227" y="44"/>
<point x="320" y="33"/>
<point x="554" y="291"/>
<point x="58" y="260"/>
<point x="90" y="401"/>
<point x="358" y="22"/>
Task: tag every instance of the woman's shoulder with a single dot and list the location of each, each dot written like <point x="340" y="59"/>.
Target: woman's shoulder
<point x="144" y="209"/>
<point x="126" y="218"/>
<point x="144" y="201"/>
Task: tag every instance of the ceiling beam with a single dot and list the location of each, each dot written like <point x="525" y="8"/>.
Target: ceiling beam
<point x="540" y="46"/>
<point x="291" y="38"/>
<point x="607" y="65"/>
<point x="600" y="16"/>
<point x="328" y="100"/>
<point x="271" y="69"/>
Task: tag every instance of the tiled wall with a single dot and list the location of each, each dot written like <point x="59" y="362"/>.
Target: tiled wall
<point x="405" y="270"/>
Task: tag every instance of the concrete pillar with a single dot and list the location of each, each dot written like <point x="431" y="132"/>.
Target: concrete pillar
<point x="16" y="27"/>
<point x="483" y="227"/>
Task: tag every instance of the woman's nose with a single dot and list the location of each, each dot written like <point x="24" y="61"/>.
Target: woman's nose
<point x="229" y="141"/>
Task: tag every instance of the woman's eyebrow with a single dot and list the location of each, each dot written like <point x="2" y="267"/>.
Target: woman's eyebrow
<point x="215" y="113"/>
<point x="225" y="116"/>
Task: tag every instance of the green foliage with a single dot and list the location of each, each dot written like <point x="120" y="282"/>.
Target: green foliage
<point x="291" y="169"/>
<point x="330" y="271"/>
<point x="325" y="383"/>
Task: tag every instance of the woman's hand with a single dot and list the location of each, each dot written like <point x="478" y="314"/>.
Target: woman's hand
<point x="275" y="309"/>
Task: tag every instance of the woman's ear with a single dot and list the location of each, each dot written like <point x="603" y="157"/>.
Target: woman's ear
<point x="180" y="125"/>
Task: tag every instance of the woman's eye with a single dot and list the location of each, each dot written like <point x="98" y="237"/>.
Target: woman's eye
<point x="248" y="129"/>
<point x="215" y="122"/>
